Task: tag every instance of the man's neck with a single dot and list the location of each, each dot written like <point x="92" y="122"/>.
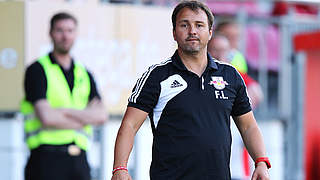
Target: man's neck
<point x="196" y="63"/>
<point x="64" y="60"/>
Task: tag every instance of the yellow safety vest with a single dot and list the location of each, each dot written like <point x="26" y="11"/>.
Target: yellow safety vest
<point x="59" y="96"/>
<point x="239" y="62"/>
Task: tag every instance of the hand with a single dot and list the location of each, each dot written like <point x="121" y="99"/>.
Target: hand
<point x="255" y="93"/>
<point x="261" y="172"/>
<point x="95" y="102"/>
<point x="121" y="175"/>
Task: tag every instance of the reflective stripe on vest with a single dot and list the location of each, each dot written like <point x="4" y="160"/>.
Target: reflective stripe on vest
<point x="59" y="96"/>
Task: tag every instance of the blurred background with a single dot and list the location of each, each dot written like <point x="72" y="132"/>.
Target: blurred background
<point x="117" y="41"/>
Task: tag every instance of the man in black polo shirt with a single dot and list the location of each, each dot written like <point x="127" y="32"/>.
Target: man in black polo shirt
<point x="61" y="102"/>
<point x="189" y="99"/>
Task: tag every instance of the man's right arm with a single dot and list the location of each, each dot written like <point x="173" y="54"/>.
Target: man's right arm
<point x="54" y="118"/>
<point x="142" y="101"/>
<point x="131" y="123"/>
<point x="35" y="86"/>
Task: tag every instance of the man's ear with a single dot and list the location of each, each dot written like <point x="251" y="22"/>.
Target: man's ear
<point x="174" y="34"/>
<point x="210" y="34"/>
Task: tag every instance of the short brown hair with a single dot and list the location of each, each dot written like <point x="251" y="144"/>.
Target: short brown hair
<point x="193" y="5"/>
<point x="221" y="25"/>
<point x="61" y="16"/>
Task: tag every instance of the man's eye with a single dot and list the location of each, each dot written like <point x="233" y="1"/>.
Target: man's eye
<point x="199" y="25"/>
<point x="183" y="25"/>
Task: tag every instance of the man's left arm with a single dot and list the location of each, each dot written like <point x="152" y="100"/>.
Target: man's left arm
<point x="253" y="141"/>
<point x="95" y="113"/>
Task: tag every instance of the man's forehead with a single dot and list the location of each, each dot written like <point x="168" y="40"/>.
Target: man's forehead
<point x="182" y="16"/>
<point x="65" y="21"/>
<point x="189" y="10"/>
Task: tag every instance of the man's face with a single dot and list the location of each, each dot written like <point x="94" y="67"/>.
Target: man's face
<point x="192" y="32"/>
<point x="219" y="48"/>
<point x="63" y="34"/>
<point x="232" y="32"/>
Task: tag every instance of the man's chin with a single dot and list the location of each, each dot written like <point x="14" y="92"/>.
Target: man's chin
<point x="191" y="51"/>
<point x="63" y="51"/>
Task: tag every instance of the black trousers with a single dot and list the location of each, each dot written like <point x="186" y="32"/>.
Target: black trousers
<point x="55" y="163"/>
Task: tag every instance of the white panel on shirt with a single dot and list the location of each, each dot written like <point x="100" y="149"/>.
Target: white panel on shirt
<point x="170" y="87"/>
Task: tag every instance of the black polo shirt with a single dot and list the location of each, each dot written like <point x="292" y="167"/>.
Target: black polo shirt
<point x="35" y="82"/>
<point x="190" y="117"/>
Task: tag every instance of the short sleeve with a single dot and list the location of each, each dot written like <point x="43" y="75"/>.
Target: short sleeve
<point x="242" y="102"/>
<point x="35" y="83"/>
<point x="93" y="88"/>
<point x="146" y="92"/>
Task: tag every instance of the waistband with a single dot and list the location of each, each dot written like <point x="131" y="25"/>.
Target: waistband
<point x="70" y="149"/>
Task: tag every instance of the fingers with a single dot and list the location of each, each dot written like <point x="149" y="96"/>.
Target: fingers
<point x="94" y="101"/>
<point x="254" y="176"/>
<point x="259" y="174"/>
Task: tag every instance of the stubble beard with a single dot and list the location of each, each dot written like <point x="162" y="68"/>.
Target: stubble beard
<point x="190" y="50"/>
<point x="63" y="50"/>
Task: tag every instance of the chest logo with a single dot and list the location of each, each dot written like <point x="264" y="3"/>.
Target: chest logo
<point x="218" y="82"/>
<point x="175" y="84"/>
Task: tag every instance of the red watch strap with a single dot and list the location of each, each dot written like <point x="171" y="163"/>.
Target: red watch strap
<point x="263" y="159"/>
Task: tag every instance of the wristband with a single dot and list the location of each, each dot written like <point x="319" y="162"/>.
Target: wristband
<point x="119" y="168"/>
<point x="263" y="159"/>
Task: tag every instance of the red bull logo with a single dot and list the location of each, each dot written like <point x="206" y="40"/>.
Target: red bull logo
<point x="218" y="82"/>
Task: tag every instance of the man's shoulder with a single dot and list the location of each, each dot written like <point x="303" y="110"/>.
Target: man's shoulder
<point x="156" y="72"/>
<point x="159" y="68"/>
<point x="35" y="67"/>
<point x="161" y="65"/>
<point x="225" y="66"/>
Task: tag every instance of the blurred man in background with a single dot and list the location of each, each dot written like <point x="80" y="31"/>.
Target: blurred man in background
<point x="61" y="103"/>
<point x="189" y="100"/>
<point x="231" y="30"/>
<point x="219" y="47"/>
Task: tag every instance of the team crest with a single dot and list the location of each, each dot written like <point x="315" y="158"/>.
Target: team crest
<point x="218" y="82"/>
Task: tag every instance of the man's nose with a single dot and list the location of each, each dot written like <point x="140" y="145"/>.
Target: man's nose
<point x="192" y="30"/>
<point x="66" y="34"/>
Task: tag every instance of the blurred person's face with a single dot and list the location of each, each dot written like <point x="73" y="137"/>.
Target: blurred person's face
<point x="219" y="48"/>
<point x="192" y="31"/>
<point x="63" y="34"/>
<point x="232" y="32"/>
